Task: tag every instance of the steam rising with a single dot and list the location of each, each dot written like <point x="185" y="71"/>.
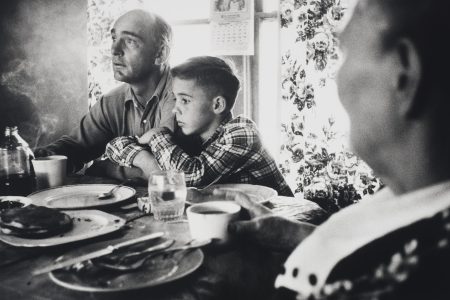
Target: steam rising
<point x="49" y="64"/>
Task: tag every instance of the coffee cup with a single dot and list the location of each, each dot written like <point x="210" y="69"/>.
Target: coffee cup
<point x="50" y="171"/>
<point x="209" y="220"/>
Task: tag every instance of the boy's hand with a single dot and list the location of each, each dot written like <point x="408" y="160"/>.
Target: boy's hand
<point x="145" y="161"/>
<point x="265" y="228"/>
<point x="146" y="137"/>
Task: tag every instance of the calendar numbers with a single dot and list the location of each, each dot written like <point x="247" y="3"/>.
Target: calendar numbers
<point x="232" y="29"/>
<point x="231" y="35"/>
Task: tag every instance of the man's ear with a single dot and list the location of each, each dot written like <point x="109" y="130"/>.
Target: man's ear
<point x="408" y="77"/>
<point x="219" y="104"/>
<point x="163" y="55"/>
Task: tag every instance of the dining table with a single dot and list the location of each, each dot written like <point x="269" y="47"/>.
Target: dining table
<point x="238" y="270"/>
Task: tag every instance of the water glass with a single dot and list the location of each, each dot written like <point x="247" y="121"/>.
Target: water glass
<point x="167" y="194"/>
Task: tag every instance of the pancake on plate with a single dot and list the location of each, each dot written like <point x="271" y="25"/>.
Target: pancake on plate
<point x="34" y="222"/>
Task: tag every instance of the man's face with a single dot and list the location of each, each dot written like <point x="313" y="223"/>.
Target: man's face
<point x="133" y="50"/>
<point x="193" y="108"/>
<point x="364" y="83"/>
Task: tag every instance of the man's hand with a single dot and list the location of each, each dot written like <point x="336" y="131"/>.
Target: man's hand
<point x="43" y="152"/>
<point x="254" y="208"/>
<point x="265" y="228"/>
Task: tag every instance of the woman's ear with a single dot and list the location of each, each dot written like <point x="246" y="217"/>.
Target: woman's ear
<point x="219" y="104"/>
<point x="408" y="77"/>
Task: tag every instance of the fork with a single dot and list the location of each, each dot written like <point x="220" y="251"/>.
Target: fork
<point x="132" y="266"/>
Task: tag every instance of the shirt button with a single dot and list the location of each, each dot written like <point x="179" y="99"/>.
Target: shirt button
<point x="145" y="121"/>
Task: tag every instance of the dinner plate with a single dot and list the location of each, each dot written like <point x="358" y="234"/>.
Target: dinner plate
<point x="86" y="224"/>
<point x="259" y="193"/>
<point x="157" y="271"/>
<point x="80" y="196"/>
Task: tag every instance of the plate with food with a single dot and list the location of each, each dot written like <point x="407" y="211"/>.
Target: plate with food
<point x="160" y="269"/>
<point x="8" y="202"/>
<point x="81" y="196"/>
<point x="259" y="193"/>
<point x="39" y="226"/>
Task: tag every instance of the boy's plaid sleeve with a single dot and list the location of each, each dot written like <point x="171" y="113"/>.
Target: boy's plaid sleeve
<point x="122" y="150"/>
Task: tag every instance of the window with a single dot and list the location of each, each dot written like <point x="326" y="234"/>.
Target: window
<point x="190" y="20"/>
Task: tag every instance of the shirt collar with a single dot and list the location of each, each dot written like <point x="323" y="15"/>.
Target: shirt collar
<point x="219" y="129"/>
<point x="159" y="91"/>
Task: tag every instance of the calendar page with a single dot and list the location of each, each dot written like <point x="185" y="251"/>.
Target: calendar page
<point x="232" y="27"/>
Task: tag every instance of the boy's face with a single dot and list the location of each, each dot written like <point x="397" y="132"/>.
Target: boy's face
<point x="194" y="109"/>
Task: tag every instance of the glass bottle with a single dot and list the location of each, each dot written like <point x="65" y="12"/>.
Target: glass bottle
<point x="16" y="175"/>
<point x="15" y="133"/>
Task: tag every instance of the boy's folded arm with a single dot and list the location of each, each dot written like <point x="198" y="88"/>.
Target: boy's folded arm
<point x="222" y="157"/>
<point x="122" y="150"/>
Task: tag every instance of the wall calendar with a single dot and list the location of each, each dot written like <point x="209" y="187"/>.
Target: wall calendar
<point x="232" y="27"/>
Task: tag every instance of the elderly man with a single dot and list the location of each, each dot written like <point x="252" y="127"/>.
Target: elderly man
<point x="140" y="48"/>
<point x="393" y="84"/>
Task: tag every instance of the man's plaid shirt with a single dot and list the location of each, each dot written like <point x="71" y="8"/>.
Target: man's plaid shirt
<point x="233" y="154"/>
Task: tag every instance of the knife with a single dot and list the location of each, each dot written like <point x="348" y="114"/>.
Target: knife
<point x="107" y="250"/>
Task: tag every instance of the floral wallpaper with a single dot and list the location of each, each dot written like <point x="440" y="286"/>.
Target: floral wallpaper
<point x="314" y="155"/>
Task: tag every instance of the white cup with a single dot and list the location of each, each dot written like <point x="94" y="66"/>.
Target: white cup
<point x="209" y="220"/>
<point x="50" y="170"/>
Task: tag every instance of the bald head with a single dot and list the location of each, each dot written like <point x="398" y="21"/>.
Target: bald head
<point x="140" y="46"/>
<point x="150" y="26"/>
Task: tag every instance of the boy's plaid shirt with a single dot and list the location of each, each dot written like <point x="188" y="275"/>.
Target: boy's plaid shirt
<point x="233" y="154"/>
<point x="122" y="150"/>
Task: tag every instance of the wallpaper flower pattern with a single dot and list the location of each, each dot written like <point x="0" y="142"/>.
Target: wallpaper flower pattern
<point x="315" y="159"/>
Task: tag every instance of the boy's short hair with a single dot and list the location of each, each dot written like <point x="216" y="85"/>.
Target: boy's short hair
<point x="213" y="74"/>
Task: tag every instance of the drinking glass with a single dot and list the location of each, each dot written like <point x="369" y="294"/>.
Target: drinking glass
<point x="167" y="194"/>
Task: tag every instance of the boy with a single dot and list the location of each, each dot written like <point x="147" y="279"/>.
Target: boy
<point x="205" y="88"/>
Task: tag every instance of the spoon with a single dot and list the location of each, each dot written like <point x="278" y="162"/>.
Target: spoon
<point x="110" y="193"/>
<point x="124" y="266"/>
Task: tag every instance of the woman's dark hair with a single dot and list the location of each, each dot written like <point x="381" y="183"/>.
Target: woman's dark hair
<point x="426" y="23"/>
